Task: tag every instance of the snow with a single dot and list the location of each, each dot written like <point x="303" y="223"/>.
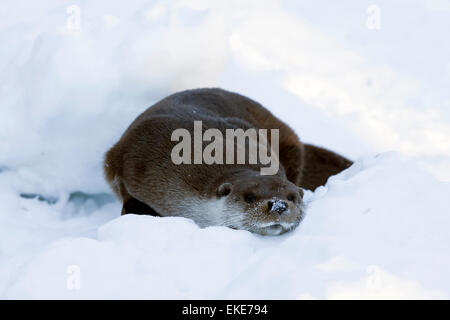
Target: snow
<point x="68" y="90"/>
<point x="278" y="205"/>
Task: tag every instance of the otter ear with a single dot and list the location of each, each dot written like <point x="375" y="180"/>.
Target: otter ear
<point x="224" y="189"/>
<point x="301" y="192"/>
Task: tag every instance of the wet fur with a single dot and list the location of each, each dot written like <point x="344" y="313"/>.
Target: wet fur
<point x="141" y="173"/>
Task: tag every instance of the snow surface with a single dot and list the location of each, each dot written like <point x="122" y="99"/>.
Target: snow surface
<point x="68" y="91"/>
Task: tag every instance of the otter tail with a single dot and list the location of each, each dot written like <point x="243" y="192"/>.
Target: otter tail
<point x="320" y="164"/>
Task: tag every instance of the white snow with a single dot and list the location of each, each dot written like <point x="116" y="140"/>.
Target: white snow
<point x="277" y="205"/>
<point x="74" y="76"/>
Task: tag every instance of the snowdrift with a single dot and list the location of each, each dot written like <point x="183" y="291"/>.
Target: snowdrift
<point x="74" y="77"/>
<point x="377" y="230"/>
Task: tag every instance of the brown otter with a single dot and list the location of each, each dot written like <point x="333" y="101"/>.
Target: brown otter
<point x="142" y="173"/>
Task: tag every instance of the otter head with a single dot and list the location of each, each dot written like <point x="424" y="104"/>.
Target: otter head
<point x="268" y="205"/>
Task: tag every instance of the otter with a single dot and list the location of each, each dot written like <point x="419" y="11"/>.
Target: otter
<point x="140" y="170"/>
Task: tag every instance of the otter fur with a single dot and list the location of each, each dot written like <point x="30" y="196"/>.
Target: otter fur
<point x="141" y="172"/>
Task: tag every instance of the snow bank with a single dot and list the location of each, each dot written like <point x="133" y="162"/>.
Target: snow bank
<point x="377" y="230"/>
<point x="75" y="76"/>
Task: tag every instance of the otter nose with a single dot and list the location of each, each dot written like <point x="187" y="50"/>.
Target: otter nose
<point x="278" y="206"/>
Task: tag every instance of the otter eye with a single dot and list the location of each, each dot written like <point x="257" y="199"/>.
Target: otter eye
<point x="249" y="197"/>
<point x="291" y="197"/>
